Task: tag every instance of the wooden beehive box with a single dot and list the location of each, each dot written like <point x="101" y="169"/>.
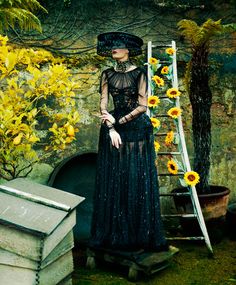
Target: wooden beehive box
<point x="36" y="238"/>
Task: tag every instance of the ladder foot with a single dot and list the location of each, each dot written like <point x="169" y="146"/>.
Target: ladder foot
<point x="90" y="264"/>
<point x="211" y="254"/>
<point x="133" y="274"/>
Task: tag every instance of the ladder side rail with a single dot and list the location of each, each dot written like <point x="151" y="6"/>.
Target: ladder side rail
<point x="194" y="196"/>
<point x="149" y="75"/>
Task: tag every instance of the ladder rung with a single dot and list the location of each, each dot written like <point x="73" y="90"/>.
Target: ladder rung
<point x="163" y="97"/>
<point x="169" y="153"/>
<point x="185" y="238"/>
<point x="164" y="61"/>
<point x="160" y="134"/>
<point x="169" y="174"/>
<point x="174" y="194"/>
<point x="179" y="215"/>
<point x="162" y="116"/>
<point x="161" y="46"/>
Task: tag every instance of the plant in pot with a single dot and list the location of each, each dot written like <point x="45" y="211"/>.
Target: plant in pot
<point x="213" y="199"/>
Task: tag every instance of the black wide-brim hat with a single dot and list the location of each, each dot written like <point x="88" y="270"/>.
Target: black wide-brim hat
<point x="112" y="40"/>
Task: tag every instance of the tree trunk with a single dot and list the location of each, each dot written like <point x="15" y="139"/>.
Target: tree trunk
<point x="201" y="100"/>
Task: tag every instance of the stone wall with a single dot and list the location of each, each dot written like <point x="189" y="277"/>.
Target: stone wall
<point x="158" y="24"/>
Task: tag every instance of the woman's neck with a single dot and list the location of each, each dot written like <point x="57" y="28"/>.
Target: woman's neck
<point x="123" y="66"/>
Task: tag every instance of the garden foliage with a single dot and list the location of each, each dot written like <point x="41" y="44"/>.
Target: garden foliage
<point x="37" y="108"/>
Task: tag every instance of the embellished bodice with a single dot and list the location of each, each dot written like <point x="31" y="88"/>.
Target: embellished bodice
<point x="129" y="93"/>
<point x="128" y="90"/>
<point x="123" y="87"/>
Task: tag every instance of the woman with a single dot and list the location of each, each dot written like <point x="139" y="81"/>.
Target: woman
<point x="126" y="212"/>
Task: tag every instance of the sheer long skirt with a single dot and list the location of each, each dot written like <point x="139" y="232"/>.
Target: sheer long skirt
<point x="126" y="211"/>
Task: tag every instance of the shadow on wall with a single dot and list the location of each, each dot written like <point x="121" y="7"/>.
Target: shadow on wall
<point x="77" y="175"/>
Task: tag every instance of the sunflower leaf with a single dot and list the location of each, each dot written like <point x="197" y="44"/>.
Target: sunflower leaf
<point x="182" y="182"/>
<point x="176" y="139"/>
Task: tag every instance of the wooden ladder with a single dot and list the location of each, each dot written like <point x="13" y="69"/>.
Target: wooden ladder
<point x="182" y="153"/>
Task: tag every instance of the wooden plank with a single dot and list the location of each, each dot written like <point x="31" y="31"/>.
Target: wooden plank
<point x="169" y="153"/>
<point x="50" y="275"/>
<point x="174" y="194"/>
<point x="13" y="259"/>
<point x="28" y="215"/>
<point x="42" y="191"/>
<point x="179" y="215"/>
<point x="26" y="244"/>
<point x="33" y="198"/>
<point x="186" y="238"/>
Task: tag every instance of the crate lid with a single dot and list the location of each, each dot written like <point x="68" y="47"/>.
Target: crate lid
<point x="34" y="207"/>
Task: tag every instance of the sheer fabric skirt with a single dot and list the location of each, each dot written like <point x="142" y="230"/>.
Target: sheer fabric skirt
<point x="126" y="213"/>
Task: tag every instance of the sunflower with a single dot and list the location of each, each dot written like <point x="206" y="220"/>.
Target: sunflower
<point x="165" y="70"/>
<point x="153" y="60"/>
<point x="153" y="101"/>
<point x="169" y="138"/>
<point x="170" y="51"/>
<point x="157" y="146"/>
<point x="158" y="80"/>
<point x="191" y="178"/>
<point x="172" y="167"/>
<point x="173" y="93"/>
<point x="155" y="122"/>
<point x="174" y="112"/>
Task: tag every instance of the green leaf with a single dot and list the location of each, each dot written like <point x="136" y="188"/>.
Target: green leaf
<point x="182" y="182"/>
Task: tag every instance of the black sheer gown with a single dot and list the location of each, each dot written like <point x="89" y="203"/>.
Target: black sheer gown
<point x="126" y="212"/>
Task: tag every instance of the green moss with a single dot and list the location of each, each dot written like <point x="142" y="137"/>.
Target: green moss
<point x="191" y="266"/>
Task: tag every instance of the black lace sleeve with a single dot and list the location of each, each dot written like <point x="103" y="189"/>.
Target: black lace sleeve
<point x="142" y="100"/>
<point x="104" y="92"/>
<point x="104" y="97"/>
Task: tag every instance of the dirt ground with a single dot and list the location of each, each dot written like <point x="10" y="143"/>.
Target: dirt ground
<point x="191" y="266"/>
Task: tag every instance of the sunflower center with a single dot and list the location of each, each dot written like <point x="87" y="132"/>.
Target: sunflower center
<point x="173" y="92"/>
<point x="191" y="177"/>
<point x="172" y="167"/>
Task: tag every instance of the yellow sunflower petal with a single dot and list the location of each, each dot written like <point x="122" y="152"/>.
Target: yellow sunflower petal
<point x="172" y="167"/>
<point x="165" y="70"/>
<point x="157" y="146"/>
<point x="191" y="178"/>
<point x="174" y="112"/>
<point x="169" y="138"/>
<point x="153" y="60"/>
<point x="153" y="101"/>
<point x="170" y="51"/>
<point x="158" y="80"/>
<point x="173" y="92"/>
<point x="155" y="122"/>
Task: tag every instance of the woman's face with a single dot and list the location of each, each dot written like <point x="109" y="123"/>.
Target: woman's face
<point x="120" y="54"/>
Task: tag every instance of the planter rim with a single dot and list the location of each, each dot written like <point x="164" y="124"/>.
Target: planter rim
<point x="225" y="191"/>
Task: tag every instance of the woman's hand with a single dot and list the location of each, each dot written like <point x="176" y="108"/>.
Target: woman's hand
<point x="115" y="138"/>
<point x="107" y="117"/>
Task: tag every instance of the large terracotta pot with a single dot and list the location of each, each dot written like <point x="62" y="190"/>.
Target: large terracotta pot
<point x="213" y="205"/>
<point x="214" y="208"/>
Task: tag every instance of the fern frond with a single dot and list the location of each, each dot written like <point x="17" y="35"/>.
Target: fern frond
<point x="188" y="29"/>
<point x="199" y="35"/>
<point x="30" y="5"/>
<point x="229" y="28"/>
<point x="208" y="29"/>
<point x="25" y="19"/>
